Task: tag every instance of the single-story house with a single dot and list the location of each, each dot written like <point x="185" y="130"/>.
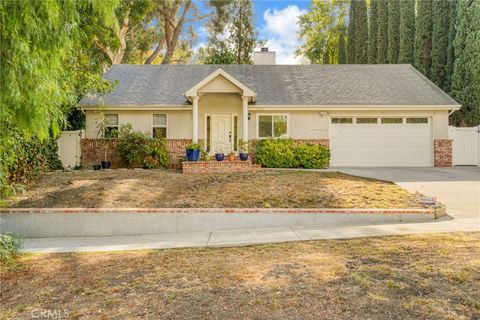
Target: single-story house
<point x="368" y="115"/>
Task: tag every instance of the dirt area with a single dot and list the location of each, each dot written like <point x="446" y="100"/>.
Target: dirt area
<point x="170" y="189"/>
<point x="407" y="277"/>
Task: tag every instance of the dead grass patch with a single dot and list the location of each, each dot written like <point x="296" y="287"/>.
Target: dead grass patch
<point x="163" y="188"/>
<point x="372" y="278"/>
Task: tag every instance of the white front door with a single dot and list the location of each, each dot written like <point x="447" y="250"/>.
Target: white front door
<point x="221" y="133"/>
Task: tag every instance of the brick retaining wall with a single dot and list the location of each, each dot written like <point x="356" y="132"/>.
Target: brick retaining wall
<point x="225" y="166"/>
<point x="443" y="152"/>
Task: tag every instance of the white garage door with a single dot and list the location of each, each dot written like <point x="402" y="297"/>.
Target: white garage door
<point x="381" y="141"/>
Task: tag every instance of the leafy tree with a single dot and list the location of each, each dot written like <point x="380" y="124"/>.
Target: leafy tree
<point x="361" y="32"/>
<point x="218" y="49"/>
<point x="342" y="54"/>
<point x="407" y="31"/>
<point x="440" y="34"/>
<point x="352" y="13"/>
<point x="393" y="30"/>
<point x="372" y="35"/>
<point x="45" y="62"/>
<point x="242" y="30"/>
<point x="322" y="29"/>
<point x="127" y="31"/>
<point x="382" y="32"/>
<point x="423" y="37"/>
<point x="173" y="18"/>
<point x="451" y="38"/>
<point x="466" y="73"/>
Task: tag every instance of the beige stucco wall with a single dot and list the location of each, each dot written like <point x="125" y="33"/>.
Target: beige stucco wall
<point x="302" y="124"/>
<point x="179" y="123"/>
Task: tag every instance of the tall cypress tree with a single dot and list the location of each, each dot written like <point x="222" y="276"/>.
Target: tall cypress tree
<point x="361" y="32"/>
<point x="440" y="29"/>
<point x="407" y="31"/>
<point x="342" y="54"/>
<point x="466" y="70"/>
<point x="372" y="32"/>
<point x="423" y="37"/>
<point x="351" y="32"/>
<point x="393" y="30"/>
<point x="451" y="38"/>
<point x="382" y="32"/>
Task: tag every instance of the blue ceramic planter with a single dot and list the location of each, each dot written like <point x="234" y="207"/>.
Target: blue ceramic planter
<point x="219" y="156"/>
<point x="243" y="156"/>
<point x="193" y="155"/>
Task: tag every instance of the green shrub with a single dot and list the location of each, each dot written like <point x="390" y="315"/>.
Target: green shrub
<point x="312" y="156"/>
<point x="22" y="160"/>
<point x="9" y="249"/>
<point x="131" y="145"/>
<point x="276" y="153"/>
<point x="285" y="153"/>
<point x="193" y="146"/>
<point x="157" y="154"/>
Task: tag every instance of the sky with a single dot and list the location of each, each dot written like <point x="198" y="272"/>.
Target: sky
<point x="276" y="22"/>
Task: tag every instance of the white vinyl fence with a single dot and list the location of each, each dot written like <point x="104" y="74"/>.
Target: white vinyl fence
<point x="69" y="148"/>
<point x="466" y="145"/>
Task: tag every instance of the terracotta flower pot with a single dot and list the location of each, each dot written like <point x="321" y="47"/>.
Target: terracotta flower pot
<point x="231" y="157"/>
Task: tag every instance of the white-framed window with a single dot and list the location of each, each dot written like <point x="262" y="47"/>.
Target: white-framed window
<point x="343" y="120"/>
<point x="392" y="120"/>
<point x="272" y="125"/>
<point x="159" y="125"/>
<point x="417" y="120"/>
<point x="111" y="125"/>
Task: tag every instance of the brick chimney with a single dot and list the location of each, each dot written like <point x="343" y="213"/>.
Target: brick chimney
<point x="264" y="56"/>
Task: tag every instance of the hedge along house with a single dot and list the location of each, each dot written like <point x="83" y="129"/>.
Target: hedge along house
<point x="369" y="115"/>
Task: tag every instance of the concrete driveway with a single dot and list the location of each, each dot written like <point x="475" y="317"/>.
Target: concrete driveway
<point x="458" y="188"/>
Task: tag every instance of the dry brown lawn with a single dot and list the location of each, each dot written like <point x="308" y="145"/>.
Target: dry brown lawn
<point x="161" y="189"/>
<point x="407" y="277"/>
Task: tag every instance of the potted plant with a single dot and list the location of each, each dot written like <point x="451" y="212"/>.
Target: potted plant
<point x="243" y="150"/>
<point x="193" y="151"/>
<point x="231" y="156"/>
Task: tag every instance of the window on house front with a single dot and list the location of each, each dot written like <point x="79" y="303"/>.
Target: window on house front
<point x="342" y="120"/>
<point x="417" y="120"/>
<point x="272" y="126"/>
<point x="235" y="133"/>
<point x="111" y="126"/>
<point x="208" y="134"/>
<point x="392" y="120"/>
<point x="367" y="120"/>
<point x="159" y="129"/>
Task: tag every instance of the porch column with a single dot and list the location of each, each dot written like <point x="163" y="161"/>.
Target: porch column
<point x="245" y="118"/>
<point x="195" y="119"/>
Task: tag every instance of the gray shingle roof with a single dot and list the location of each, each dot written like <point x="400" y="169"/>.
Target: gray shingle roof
<point x="278" y="84"/>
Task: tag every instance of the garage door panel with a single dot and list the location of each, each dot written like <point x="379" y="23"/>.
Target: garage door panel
<point x="381" y="144"/>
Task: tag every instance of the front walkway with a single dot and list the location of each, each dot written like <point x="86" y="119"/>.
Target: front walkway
<point x="458" y="188"/>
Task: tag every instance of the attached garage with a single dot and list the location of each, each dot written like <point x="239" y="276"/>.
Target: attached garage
<point x="381" y="141"/>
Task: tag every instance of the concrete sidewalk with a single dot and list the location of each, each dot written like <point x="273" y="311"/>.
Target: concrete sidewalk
<point x="241" y="237"/>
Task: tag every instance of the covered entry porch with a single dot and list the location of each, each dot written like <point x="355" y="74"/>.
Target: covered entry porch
<point x="220" y="112"/>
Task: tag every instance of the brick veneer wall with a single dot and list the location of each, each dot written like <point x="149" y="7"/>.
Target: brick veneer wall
<point x="93" y="151"/>
<point x="225" y="166"/>
<point x="442" y="152"/>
